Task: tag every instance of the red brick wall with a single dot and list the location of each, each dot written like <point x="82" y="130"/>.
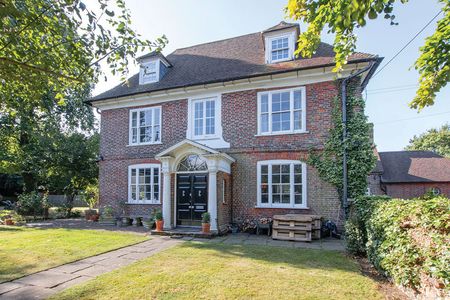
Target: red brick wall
<point x="322" y="198"/>
<point x="239" y="121"/>
<point x="224" y="207"/>
<point x="411" y="190"/>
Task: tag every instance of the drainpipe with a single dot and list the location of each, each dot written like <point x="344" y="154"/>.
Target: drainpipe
<point x="344" y="137"/>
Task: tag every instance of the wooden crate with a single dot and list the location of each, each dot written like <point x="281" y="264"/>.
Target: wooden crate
<point x="291" y="235"/>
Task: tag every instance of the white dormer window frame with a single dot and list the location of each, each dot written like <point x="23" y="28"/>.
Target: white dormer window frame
<point x="149" y="71"/>
<point x="277" y="38"/>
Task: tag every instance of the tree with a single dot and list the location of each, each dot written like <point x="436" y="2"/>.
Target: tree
<point x="343" y="16"/>
<point x="359" y="147"/>
<point x="57" y="45"/>
<point x="73" y="167"/>
<point x="436" y="140"/>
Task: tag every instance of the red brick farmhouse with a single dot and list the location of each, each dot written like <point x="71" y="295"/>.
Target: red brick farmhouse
<point x="223" y="127"/>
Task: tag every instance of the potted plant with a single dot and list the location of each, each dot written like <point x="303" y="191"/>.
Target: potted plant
<point x="90" y="196"/>
<point x="9" y="222"/>
<point x="107" y="217"/>
<point x="125" y="219"/>
<point x="206" y="222"/>
<point x="148" y="223"/>
<point x="159" y="221"/>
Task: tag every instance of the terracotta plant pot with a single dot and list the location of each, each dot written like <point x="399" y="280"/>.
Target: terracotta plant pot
<point x="94" y="217"/>
<point x="9" y="222"/>
<point x="159" y="225"/>
<point x="88" y="213"/>
<point x="206" y="228"/>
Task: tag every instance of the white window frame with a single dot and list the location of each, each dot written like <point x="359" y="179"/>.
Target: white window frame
<point x="217" y="118"/>
<point x="144" y="166"/>
<point x="291" y="44"/>
<point x="142" y="79"/>
<point x="302" y="90"/>
<point x="130" y="128"/>
<point x="292" y="204"/>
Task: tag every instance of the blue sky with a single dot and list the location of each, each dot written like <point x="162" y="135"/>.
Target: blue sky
<point x="190" y="22"/>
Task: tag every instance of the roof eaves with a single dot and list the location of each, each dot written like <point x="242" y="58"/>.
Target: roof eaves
<point x="362" y="60"/>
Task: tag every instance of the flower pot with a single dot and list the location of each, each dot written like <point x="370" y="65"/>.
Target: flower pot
<point x="148" y="224"/>
<point x="88" y="213"/>
<point x="9" y="222"/>
<point x="159" y="225"/>
<point x="94" y="217"/>
<point x="206" y="228"/>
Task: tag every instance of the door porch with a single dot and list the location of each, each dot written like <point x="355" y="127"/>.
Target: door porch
<point x="194" y="168"/>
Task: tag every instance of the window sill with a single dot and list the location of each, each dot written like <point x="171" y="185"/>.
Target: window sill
<point x="145" y="203"/>
<point x="281" y="207"/>
<point x="282" y="133"/>
<point x="144" y="144"/>
<point x="205" y="138"/>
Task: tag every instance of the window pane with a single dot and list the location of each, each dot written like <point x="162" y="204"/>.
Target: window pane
<point x="134" y="135"/>
<point x="276" y="169"/>
<point x="264" y="189"/>
<point x="142" y="118"/>
<point x="264" y="103"/>
<point x="155" y="176"/>
<point x="264" y="169"/>
<point x="198" y="127"/>
<point x="285" y="169"/>
<point x="133" y="176"/>
<point x="275" y="178"/>
<point x="276" y="122"/>
<point x="297" y="100"/>
<point x="276" y="102"/>
<point x="298" y="199"/>
<point x="156" y="134"/>
<point x="286" y="199"/>
<point x="297" y="120"/>
<point x="210" y="108"/>
<point x="285" y="121"/>
<point x="286" y="189"/>
<point x="133" y="192"/>
<point x="276" y="199"/>
<point x="264" y="198"/>
<point x="276" y="189"/>
<point x="210" y="126"/>
<point x="298" y="188"/>
<point x="141" y="192"/>
<point x="265" y="123"/>
<point x="156" y="117"/>
<point x="285" y="101"/>
<point x="134" y="119"/>
<point x="264" y="178"/>
<point x="198" y="110"/>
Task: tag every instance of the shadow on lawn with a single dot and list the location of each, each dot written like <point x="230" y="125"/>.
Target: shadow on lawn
<point x="298" y="258"/>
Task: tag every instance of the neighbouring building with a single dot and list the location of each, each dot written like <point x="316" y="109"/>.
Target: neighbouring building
<point x="409" y="174"/>
<point x="224" y="127"/>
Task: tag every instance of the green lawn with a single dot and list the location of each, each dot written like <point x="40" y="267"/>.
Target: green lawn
<point x="213" y="271"/>
<point x="26" y="250"/>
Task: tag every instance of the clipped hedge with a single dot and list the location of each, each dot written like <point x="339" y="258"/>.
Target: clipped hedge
<point x="407" y="240"/>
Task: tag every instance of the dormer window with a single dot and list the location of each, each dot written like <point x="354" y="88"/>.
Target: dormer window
<point x="280" y="47"/>
<point x="153" y="67"/>
<point x="149" y="72"/>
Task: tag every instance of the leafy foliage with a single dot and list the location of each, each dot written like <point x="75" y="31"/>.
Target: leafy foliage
<point x="342" y="17"/>
<point x="59" y="45"/>
<point x="32" y="204"/>
<point x="436" y="140"/>
<point x="360" y="157"/>
<point x="407" y="240"/>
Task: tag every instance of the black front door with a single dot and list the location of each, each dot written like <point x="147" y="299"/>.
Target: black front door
<point x="192" y="198"/>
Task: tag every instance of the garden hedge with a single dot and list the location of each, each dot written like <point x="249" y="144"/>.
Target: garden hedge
<point x="407" y="240"/>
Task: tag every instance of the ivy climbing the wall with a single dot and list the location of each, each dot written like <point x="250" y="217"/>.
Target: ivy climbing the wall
<point x="360" y="157"/>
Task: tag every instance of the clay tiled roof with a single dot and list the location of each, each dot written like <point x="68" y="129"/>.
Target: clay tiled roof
<point x="230" y="59"/>
<point x="414" y="166"/>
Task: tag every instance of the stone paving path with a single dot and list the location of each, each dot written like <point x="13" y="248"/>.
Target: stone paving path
<point x="43" y="284"/>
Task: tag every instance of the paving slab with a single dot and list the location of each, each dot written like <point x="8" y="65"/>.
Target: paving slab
<point x="95" y="270"/>
<point x="114" y="262"/>
<point x="137" y="255"/>
<point x="46" y="279"/>
<point x="71" y="283"/>
<point x="27" y="293"/>
<point x="72" y="267"/>
<point x="9" y="286"/>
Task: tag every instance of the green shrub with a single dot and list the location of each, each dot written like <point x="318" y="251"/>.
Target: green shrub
<point x="11" y="214"/>
<point x="407" y="240"/>
<point x="31" y="204"/>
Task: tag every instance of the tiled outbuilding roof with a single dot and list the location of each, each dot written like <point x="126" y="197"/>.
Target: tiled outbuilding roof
<point x="414" y="166"/>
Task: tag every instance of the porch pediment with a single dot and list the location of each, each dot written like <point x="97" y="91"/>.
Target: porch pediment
<point x="216" y="160"/>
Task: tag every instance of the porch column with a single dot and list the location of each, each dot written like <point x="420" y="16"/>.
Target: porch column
<point x="166" y="194"/>
<point x="212" y="197"/>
